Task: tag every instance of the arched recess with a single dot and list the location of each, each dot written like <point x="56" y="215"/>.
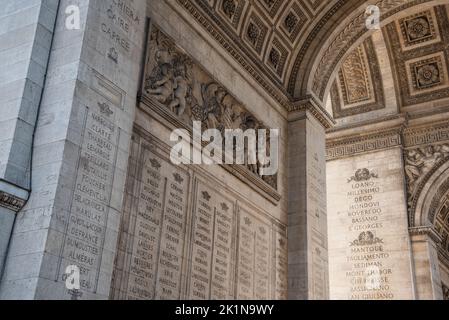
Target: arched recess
<point x="313" y="74"/>
<point x="429" y="232"/>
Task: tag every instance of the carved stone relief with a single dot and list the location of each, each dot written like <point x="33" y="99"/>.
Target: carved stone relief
<point x="188" y="92"/>
<point x="419" y="162"/>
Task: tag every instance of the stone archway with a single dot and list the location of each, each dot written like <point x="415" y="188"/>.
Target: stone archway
<point x="429" y="232"/>
<point x="439" y="213"/>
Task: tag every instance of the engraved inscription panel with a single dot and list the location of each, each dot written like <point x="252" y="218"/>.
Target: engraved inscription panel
<point x="185" y="236"/>
<point x="253" y="275"/>
<point x="368" y="229"/>
<point x="84" y="239"/>
<point x="212" y="245"/>
<point x="157" y="226"/>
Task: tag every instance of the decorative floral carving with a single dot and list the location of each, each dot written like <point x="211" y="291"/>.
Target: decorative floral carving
<point x="427" y="75"/>
<point x="155" y="164"/>
<point x="354" y="77"/>
<point x="224" y="206"/>
<point x="362" y="175"/>
<point x="105" y="109"/>
<point x="178" y="177"/>
<point x="253" y="33"/>
<point x="229" y="7"/>
<point x="418" y="28"/>
<point x="290" y="22"/>
<point x="366" y="238"/>
<point x="206" y="195"/>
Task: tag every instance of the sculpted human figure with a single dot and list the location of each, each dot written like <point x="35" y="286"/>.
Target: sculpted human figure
<point x="181" y="86"/>
<point x="160" y="83"/>
<point x="414" y="163"/>
<point x="250" y="124"/>
<point x="213" y="96"/>
<point x="163" y="87"/>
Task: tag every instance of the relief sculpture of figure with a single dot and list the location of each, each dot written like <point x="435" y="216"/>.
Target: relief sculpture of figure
<point x="249" y="123"/>
<point x="160" y="84"/>
<point x="413" y="164"/>
<point x="181" y="90"/>
<point x="420" y="161"/>
<point x="169" y="81"/>
<point x="213" y="96"/>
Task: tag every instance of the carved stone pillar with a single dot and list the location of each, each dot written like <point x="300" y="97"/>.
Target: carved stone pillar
<point x="307" y="221"/>
<point x="424" y="242"/>
<point x="25" y="51"/>
<point x="80" y="153"/>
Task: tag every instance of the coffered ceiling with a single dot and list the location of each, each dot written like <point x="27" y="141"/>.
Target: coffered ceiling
<point x="315" y="48"/>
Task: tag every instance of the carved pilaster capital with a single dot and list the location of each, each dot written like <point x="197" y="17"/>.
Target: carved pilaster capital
<point x="425" y="231"/>
<point x="11" y="202"/>
<point x="312" y="106"/>
<point x="12" y="197"/>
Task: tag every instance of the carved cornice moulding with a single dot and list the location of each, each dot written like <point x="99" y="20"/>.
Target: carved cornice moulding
<point x="360" y="144"/>
<point x="409" y="137"/>
<point x="391" y="121"/>
<point x="11" y="202"/>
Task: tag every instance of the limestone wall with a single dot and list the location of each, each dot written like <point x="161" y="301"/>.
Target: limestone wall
<point x="369" y="249"/>
<point x="198" y="231"/>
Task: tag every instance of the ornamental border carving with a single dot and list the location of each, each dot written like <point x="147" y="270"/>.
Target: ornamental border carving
<point x="349" y="146"/>
<point x="426" y="135"/>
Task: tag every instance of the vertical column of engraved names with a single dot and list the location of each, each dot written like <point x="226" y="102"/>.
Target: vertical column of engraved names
<point x="172" y="239"/>
<point x="262" y="262"/>
<point x="157" y="253"/>
<point x="254" y="258"/>
<point x="370" y="273"/>
<point x="202" y="244"/>
<point x="84" y="240"/>
<point x="280" y="265"/>
<point x="223" y="253"/>
<point x="147" y="229"/>
<point x="245" y="267"/>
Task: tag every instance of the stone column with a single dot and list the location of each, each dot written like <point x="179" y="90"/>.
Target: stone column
<point x="25" y="36"/>
<point x="424" y="243"/>
<point x="80" y="153"/>
<point x="307" y="222"/>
